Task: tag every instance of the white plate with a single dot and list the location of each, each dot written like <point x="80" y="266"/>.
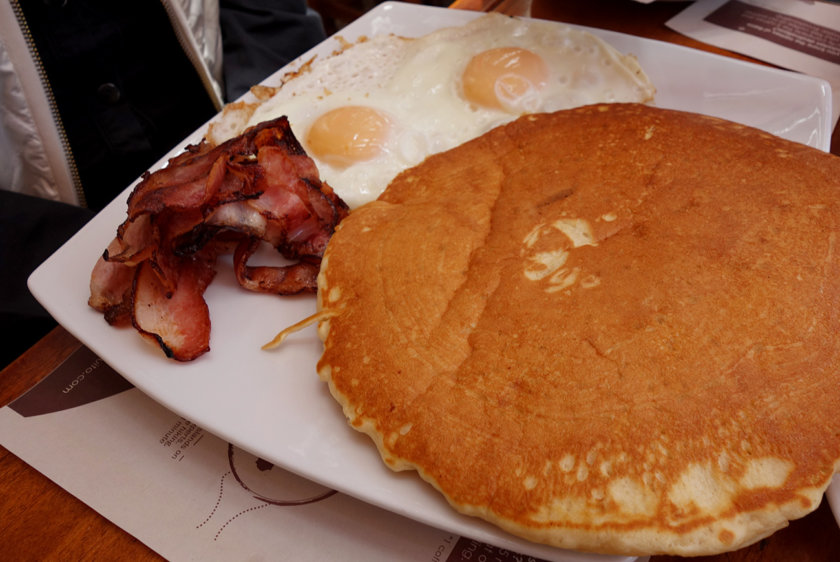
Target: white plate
<point x="833" y="496"/>
<point x="272" y="403"/>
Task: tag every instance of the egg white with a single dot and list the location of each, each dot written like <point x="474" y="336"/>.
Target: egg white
<point x="416" y="83"/>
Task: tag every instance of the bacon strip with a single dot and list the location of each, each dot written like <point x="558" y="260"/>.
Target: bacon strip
<point x="285" y="280"/>
<point x="258" y="187"/>
<point x="178" y="321"/>
<point x="110" y="286"/>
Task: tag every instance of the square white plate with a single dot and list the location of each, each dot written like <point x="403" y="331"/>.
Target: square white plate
<point x="273" y="404"/>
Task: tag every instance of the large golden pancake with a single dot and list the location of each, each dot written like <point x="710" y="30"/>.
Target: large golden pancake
<point x="611" y="329"/>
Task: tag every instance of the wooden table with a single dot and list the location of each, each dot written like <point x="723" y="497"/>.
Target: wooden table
<point x="41" y="521"/>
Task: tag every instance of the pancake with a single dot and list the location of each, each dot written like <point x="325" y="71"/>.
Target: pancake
<point x="610" y="329"/>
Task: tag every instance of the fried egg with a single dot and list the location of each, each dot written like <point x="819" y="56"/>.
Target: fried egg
<point x="385" y="103"/>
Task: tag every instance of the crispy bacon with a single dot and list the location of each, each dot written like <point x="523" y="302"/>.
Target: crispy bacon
<point x="259" y="187"/>
<point x="281" y="280"/>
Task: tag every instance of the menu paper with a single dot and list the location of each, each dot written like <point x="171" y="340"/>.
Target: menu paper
<point x="794" y="34"/>
<point x="188" y="494"/>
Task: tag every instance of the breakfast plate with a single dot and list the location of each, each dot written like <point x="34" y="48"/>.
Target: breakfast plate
<point x="272" y="403"/>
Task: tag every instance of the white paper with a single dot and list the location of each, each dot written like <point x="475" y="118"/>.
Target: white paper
<point x="797" y="35"/>
<point x="187" y="494"/>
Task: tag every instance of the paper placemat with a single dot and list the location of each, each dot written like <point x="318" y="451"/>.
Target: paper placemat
<point x="189" y="495"/>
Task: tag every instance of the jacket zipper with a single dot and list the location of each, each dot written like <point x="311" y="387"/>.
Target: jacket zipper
<point x="192" y="56"/>
<point x="53" y="106"/>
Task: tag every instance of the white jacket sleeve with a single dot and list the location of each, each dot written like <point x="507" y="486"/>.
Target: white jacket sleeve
<point x="33" y="155"/>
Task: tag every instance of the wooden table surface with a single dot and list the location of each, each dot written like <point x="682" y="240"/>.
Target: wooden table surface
<point x="40" y="521"/>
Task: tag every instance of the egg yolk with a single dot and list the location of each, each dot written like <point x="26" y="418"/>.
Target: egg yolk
<point x="503" y="78"/>
<point x="347" y="135"/>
